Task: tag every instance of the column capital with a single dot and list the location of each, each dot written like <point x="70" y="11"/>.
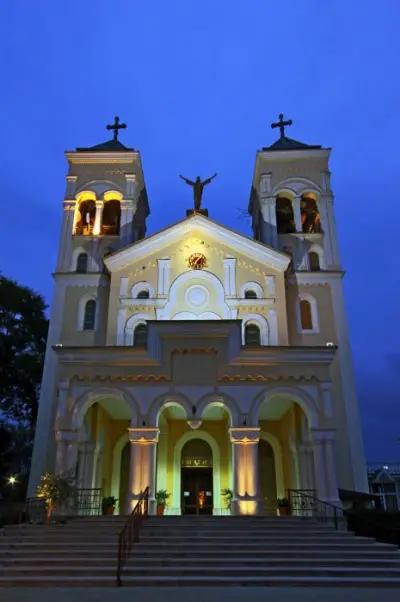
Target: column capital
<point x="244" y="435"/>
<point x="99" y="203"/>
<point x="143" y="435"/>
<point x="69" y="204"/>
<point x="322" y="435"/>
<point x="66" y="436"/>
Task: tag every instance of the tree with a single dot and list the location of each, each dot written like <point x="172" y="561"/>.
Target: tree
<point x="23" y="332"/>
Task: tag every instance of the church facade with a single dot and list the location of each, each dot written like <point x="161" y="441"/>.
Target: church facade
<point x="198" y="360"/>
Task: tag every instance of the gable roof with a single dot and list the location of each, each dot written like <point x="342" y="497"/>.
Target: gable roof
<point x="111" y="145"/>
<point x="285" y="143"/>
<point x="239" y="242"/>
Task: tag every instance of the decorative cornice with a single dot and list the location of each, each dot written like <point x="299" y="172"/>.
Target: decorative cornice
<point x="143" y="436"/>
<point x="261" y="378"/>
<point x="141" y="378"/>
<point x="244" y="435"/>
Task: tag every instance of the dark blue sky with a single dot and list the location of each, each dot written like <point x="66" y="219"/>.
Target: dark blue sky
<point x="198" y="83"/>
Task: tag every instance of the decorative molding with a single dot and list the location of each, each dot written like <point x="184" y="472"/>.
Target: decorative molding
<point x="143" y="436"/>
<point x="244" y="435"/>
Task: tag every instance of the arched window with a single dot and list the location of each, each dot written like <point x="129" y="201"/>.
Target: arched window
<point x="89" y="315"/>
<point x="285" y="223"/>
<point x="249" y="294"/>
<point x="252" y="335"/>
<point x="306" y="315"/>
<point x="143" y="294"/>
<point x="111" y="217"/>
<point x="82" y="263"/>
<point x="313" y="261"/>
<point x="140" y="336"/>
<point x="310" y="218"/>
<point x="85" y="218"/>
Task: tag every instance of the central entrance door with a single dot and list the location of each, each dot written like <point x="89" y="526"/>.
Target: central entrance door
<point x="197" y="491"/>
<point x="196" y="478"/>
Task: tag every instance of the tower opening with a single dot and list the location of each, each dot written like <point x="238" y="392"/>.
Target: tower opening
<point x="284" y="216"/>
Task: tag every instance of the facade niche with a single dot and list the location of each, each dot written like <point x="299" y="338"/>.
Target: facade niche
<point x="143" y="294"/>
<point x="82" y="263"/>
<point x="249" y="294"/>
<point x="85" y="218"/>
<point x="306" y="315"/>
<point x="284" y="216"/>
<point x="310" y="217"/>
<point x="111" y="218"/>
<point x="89" y="315"/>
<point x="252" y="335"/>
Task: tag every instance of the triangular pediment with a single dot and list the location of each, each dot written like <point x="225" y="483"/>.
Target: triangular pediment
<point x="239" y="243"/>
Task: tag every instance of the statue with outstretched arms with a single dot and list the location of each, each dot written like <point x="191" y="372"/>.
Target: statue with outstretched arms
<point x="198" y="187"/>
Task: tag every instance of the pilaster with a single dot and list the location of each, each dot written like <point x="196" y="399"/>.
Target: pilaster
<point x="323" y="441"/>
<point x="164" y="271"/>
<point x="142" y="470"/>
<point x="230" y="276"/>
<point x="246" y="489"/>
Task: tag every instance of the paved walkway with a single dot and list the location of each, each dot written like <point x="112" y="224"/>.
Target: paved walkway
<point x="206" y="594"/>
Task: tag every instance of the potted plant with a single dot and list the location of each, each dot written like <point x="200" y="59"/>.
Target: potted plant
<point x="227" y="494"/>
<point x="283" y="506"/>
<point x="161" y="496"/>
<point x="55" y="490"/>
<point x="108" y="504"/>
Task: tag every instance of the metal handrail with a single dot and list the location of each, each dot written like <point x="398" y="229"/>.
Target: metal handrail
<point x="325" y="511"/>
<point x="130" y="533"/>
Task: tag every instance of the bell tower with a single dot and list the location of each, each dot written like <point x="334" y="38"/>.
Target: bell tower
<point x="105" y="208"/>
<point x="105" y="204"/>
<point x="291" y="201"/>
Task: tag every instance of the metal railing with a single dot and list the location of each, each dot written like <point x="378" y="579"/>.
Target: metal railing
<point x="304" y="503"/>
<point x="301" y="502"/>
<point x="130" y="533"/>
<point x="339" y="518"/>
<point x="87" y="502"/>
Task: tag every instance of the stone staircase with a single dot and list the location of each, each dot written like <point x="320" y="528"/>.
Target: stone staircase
<point x="196" y="551"/>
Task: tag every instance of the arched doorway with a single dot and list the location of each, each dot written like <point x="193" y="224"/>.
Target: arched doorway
<point x="196" y="477"/>
<point x="267" y="476"/>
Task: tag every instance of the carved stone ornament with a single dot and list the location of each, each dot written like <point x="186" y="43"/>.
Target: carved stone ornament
<point x="245" y="435"/>
<point x="143" y="435"/>
<point x="194" y="424"/>
<point x="197" y="261"/>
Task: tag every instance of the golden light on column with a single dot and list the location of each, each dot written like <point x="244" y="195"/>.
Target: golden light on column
<point x="245" y="465"/>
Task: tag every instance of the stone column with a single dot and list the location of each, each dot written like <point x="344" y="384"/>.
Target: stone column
<point x="304" y="450"/>
<point x="325" y="465"/>
<point x="85" y="464"/>
<point x="66" y="452"/>
<point x="142" y="470"/>
<point x="64" y="255"/>
<point x="296" y="204"/>
<point x="128" y="208"/>
<point x="268" y="225"/>
<point x="328" y="226"/>
<point x="246" y="490"/>
<point x="98" y="218"/>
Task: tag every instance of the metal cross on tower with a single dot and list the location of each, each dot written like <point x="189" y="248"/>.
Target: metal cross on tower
<point x="116" y="126"/>
<point x="281" y="124"/>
